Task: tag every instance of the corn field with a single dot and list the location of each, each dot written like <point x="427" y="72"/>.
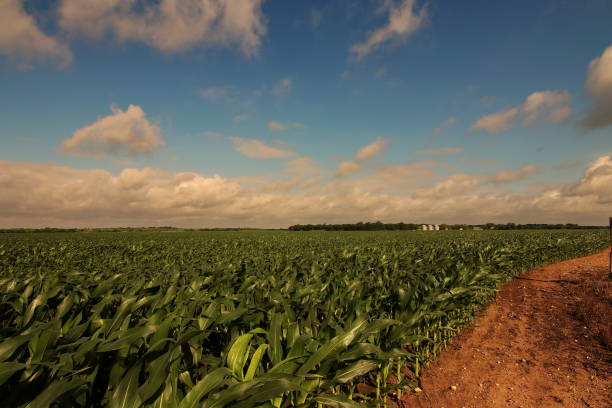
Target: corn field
<point x="245" y="319"/>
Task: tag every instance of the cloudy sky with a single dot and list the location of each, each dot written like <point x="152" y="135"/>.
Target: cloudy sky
<point x="267" y="113"/>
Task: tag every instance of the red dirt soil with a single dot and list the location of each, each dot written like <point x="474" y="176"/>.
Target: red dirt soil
<point x="544" y="342"/>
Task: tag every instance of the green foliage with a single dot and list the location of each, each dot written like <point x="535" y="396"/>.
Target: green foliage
<point x="244" y="319"/>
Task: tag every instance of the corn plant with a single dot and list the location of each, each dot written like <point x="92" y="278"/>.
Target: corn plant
<point x="245" y="319"/>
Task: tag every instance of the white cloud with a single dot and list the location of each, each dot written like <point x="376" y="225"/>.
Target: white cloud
<point x="599" y="88"/>
<point x="280" y="126"/>
<point x="545" y="106"/>
<point x="39" y="195"/>
<point x="455" y="186"/>
<point x="23" y="43"/>
<point x="366" y="153"/>
<point x="122" y="132"/>
<point x="258" y="149"/>
<point x="595" y="183"/>
<point x="507" y="176"/>
<point x="347" y="168"/>
<point x="497" y="122"/>
<point x="303" y="166"/>
<point x="441" y="150"/>
<point x="398" y="178"/>
<point x="312" y="182"/>
<point x="370" y="151"/>
<point x="283" y="87"/>
<point x="542" y="106"/>
<point x="168" y="25"/>
<point x="251" y="180"/>
<point x="558" y="115"/>
<point x="241" y="118"/>
<point x="404" y="20"/>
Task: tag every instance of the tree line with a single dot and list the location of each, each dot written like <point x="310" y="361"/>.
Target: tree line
<point x="379" y="226"/>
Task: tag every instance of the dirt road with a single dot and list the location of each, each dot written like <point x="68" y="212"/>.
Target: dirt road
<point x="544" y="342"/>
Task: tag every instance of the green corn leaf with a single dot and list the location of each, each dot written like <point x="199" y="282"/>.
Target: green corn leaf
<point x="38" y="301"/>
<point x="209" y="383"/>
<point x="248" y="394"/>
<point x="128" y="337"/>
<point x="8" y="369"/>
<point x="8" y="347"/>
<point x="358" y="368"/>
<point x="53" y="392"/>
<point x="64" y="307"/>
<point x="238" y="354"/>
<point x="333" y="346"/>
<point x="158" y="372"/>
<point x="255" y="360"/>
<point x="126" y="394"/>
<point x="274" y="338"/>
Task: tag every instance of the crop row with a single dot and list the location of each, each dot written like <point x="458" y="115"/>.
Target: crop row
<point x="244" y="319"/>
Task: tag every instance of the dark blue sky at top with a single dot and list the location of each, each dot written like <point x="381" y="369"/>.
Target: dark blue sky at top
<point x="472" y="58"/>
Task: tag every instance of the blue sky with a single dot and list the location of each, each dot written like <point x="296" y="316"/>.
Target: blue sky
<point x="277" y="100"/>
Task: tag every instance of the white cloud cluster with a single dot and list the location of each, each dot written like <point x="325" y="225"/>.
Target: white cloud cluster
<point x="458" y="185"/>
<point x="455" y="186"/>
<point x="543" y="106"/>
<point x="441" y="150"/>
<point x="280" y="126"/>
<point x="303" y="166"/>
<point x="366" y="153"/>
<point x="404" y="20"/>
<point x="49" y="195"/>
<point x="507" y="176"/>
<point x="258" y="149"/>
<point x="23" y="43"/>
<point x="599" y="88"/>
<point x="122" y="132"/>
<point x="168" y="25"/>
<point x="595" y="183"/>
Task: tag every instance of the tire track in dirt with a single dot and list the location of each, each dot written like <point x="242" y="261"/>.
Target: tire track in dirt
<point x="529" y="348"/>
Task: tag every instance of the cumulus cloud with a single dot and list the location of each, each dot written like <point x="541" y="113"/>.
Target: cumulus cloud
<point x="36" y="195"/>
<point x="258" y="149"/>
<point x="404" y="19"/>
<point x="168" y="25"/>
<point x="595" y="183"/>
<point x="370" y="151"/>
<point x="442" y="150"/>
<point x="507" y="176"/>
<point x="455" y="186"/>
<point x="23" y="43"/>
<point x="303" y="166"/>
<point x="539" y="107"/>
<point x="599" y="88"/>
<point x="497" y="122"/>
<point x="122" y="132"/>
<point x="280" y="126"/>
<point x="398" y="178"/>
<point x="366" y="153"/>
<point x="347" y="168"/>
